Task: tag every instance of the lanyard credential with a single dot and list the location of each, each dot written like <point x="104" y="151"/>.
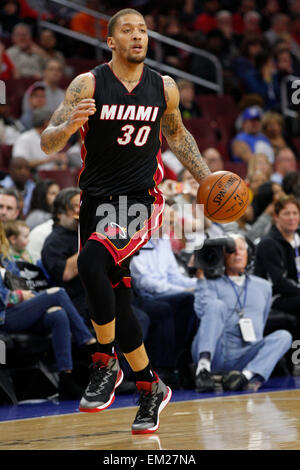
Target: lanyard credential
<point x="240" y="304"/>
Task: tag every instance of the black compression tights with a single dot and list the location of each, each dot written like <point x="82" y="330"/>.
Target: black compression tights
<point x="95" y="265"/>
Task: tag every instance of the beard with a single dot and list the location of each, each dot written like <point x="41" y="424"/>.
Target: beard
<point x="135" y="59"/>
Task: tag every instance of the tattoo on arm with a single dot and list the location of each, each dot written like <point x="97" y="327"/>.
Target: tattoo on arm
<point x="183" y="145"/>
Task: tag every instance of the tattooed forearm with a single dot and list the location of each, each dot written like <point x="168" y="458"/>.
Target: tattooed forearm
<point x="187" y="152"/>
<point x="183" y="145"/>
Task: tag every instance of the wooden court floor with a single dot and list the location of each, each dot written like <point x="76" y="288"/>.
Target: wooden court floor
<point x="261" y="421"/>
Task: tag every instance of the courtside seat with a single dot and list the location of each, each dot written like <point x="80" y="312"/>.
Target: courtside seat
<point x="64" y="178"/>
<point x="216" y="105"/>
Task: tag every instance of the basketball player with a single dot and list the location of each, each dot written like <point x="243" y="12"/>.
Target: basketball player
<point x="120" y="108"/>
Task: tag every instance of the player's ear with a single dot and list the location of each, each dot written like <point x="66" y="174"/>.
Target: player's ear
<point x="111" y="42"/>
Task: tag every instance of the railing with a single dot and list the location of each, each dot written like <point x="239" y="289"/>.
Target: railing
<point x="98" y="43"/>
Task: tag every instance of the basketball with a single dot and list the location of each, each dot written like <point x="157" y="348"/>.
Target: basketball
<point x="224" y="195"/>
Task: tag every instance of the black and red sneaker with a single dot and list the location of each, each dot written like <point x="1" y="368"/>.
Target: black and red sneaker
<point x="154" y="396"/>
<point x="105" y="378"/>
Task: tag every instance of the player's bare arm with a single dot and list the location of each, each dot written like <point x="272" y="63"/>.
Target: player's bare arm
<point x="72" y="113"/>
<point x="180" y="140"/>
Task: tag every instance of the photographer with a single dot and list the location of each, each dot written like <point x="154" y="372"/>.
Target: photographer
<point x="233" y="310"/>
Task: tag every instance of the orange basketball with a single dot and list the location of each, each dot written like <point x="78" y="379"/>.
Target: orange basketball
<point x="224" y="195"/>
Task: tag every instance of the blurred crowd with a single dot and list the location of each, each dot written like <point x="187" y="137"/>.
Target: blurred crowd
<point x="258" y="45"/>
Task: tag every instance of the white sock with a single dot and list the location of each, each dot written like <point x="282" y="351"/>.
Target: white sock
<point x="203" y="364"/>
<point x="248" y="374"/>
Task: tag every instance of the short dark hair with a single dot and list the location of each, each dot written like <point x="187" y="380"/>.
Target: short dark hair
<point x="14" y="193"/>
<point x="62" y="202"/>
<point x="113" y="20"/>
<point x="284" y="201"/>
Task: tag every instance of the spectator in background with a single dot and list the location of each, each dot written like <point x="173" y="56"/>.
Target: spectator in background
<point x="37" y="237"/>
<point x="45" y="312"/>
<point x="28" y="145"/>
<point x="269" y="10"/>
<point x="7" y="68"/>
<point x="238" y="17"/>
<point x="220" y="345"/>
<point x="280" y="23"/>
<point x="9" y="16"/>
<point x="285" y="162"/>
<point x="213" y="159"/>
<point x="206" y="21"/>
<point x="47" y="41"/>
<point x="251" y="140"/>
<point x="264" y="81"/>
<point x="277" y="256"/>
<point x="291" y="184"/>
<point x="42" y="200"/>
<point x="10" y="205"/>
<point x="187" y="104"/>
<point x="10" y="127"/>
<point x="260" y="162"/>
<point x="60" y="250"/>
<point x="19" y="178"/>
<point x="36" y="96"/>
<point x="54" y="95"/>
<point x="272" y="127"/>
<point x="252" y="23"/>
<point x="267" y="194"/>
<point x="26" y="56"/>
<point x="173" y="55"/>
<point x="84" y="23"/>
<point x="245" y="62"/>
<point x="17" y="233"/>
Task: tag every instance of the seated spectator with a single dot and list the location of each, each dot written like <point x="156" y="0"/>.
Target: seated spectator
<point x="238" y="17"/>
<point x="255" y="180"/>
<point x="277" y="256"/>
<point x="266" y="194"/>
<point x="187" y="104"/>
<point x="26" y="56"/>
<point x="213" y="159"/>
<point x="280" y="24"/>
<point x="60" y="250"/>
<point x="245" y="62"/>
<point x="10" y="127"/>
<point x="85" y="23"/>
<point x="206" y="21"/>
<point x="264" y="81"/>
<point x="47" y="41"/>
<point x="36" y="98"/>
<point x="286" y="63"/>
<point x="157" y="276"/>
<point x="285" y="162"/>
<point x="272" y="127"/>
<point x="19" y="178"/>
<point x="37" y="237"/>
<point x="252" y="24"/>
<point x="28" y="145"/>
<point x="17" y="233"/>
<point x="44" y="312"/>
<point x="259" y="161"/>
<point x="7" y="68"/>
<point x="54" y="95"/>
<point x="269" y="10"/>
<point x="42" y="200"/>
<point x="10" y="204"/>
<point x="223" y="344"/>
<point x="9" y="16"/>
<point x="251" y="140"/>
<point x="291" y="184"/>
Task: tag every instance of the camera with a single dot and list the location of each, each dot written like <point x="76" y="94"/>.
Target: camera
<point x="210" y="257"/>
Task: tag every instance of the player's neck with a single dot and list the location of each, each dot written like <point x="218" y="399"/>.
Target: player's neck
<point x="129" y="74"/>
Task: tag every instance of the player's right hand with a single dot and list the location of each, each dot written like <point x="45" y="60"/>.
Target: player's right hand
<point x="80" y="114"/>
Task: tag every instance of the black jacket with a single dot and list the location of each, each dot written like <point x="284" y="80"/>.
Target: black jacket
<point x="275" y="260"/>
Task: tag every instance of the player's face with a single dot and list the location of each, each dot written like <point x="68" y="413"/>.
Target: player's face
<point x="130" y="38"/>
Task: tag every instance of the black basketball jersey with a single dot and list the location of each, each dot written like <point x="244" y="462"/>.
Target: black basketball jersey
<point x="121" y="141"/>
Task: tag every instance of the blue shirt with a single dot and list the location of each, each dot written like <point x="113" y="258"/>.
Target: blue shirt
<point x="258" y="143"/>
<point x="155" y="271"/>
